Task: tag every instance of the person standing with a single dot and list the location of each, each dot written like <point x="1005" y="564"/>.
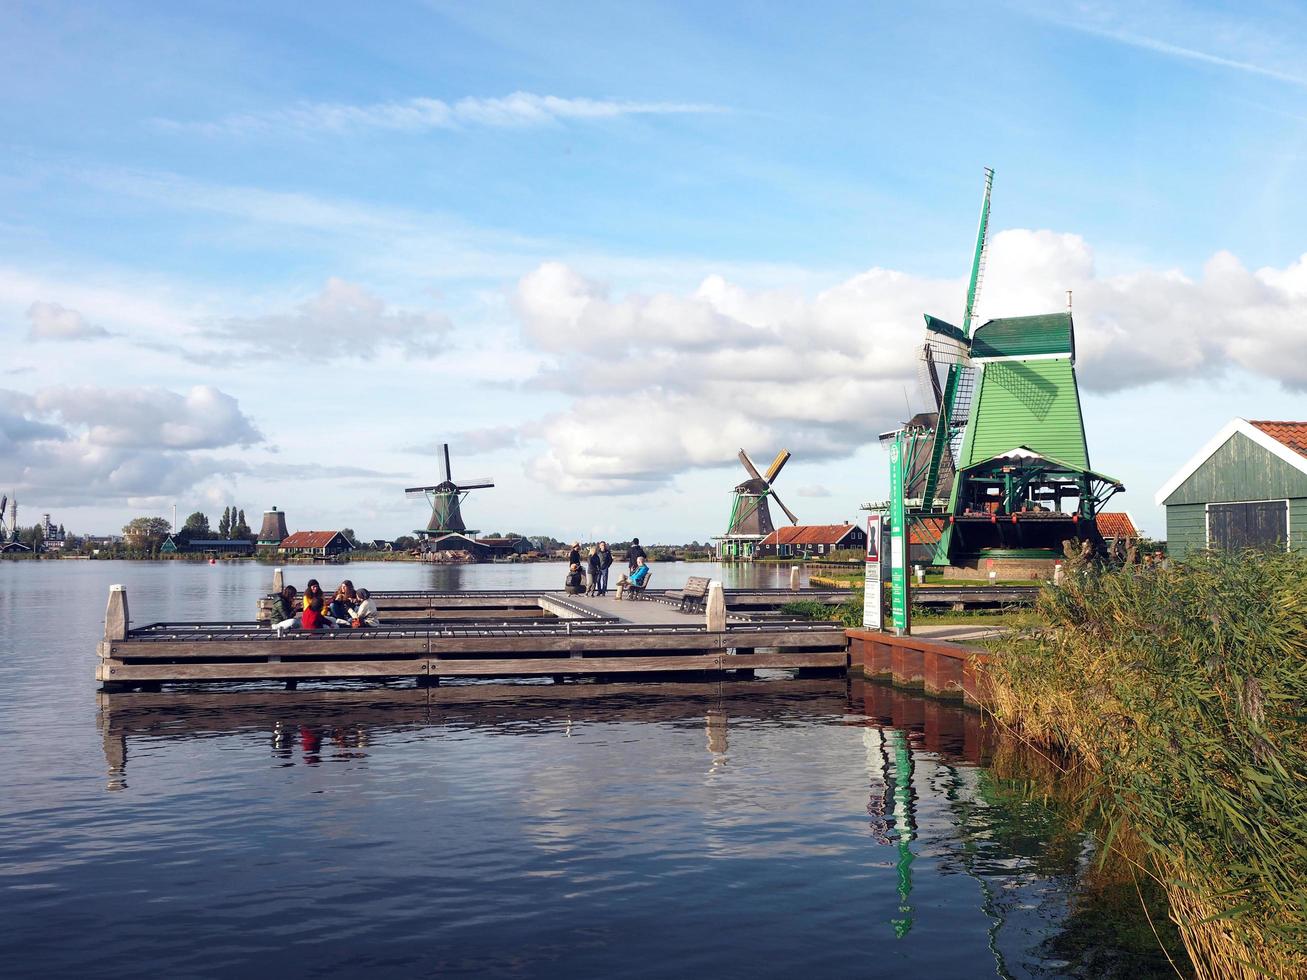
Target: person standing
<point x="592" y="568"/>
<point x="634" y="553"/>
<point x="605" y="562"/>
<point x="574" y="556"/>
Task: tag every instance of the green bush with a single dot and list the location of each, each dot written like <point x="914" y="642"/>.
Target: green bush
<point x="1184" y="690"/>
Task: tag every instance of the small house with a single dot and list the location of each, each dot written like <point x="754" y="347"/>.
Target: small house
<point x="812" y="541"/>
<point x="238" y="547"/>
<point x="1246" y="488"/>
<point x="315" y="544"/>
<point x="1118" y="530"/>
<point x="15" y="548"/>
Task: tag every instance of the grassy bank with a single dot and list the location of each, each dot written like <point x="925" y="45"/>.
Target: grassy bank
<point x="1183" y="694"/>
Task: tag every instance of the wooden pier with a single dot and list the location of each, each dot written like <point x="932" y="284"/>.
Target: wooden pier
<point x="469" y="635"/>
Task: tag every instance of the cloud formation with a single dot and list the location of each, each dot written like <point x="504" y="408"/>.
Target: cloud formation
<point x="343" y="320"/>
<point x="50" y="321"/>
<point x="86" y="444"/>
<point x="418" y="115"/>
<point x="665" y="383"/>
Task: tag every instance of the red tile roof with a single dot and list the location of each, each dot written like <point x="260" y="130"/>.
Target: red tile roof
<point x="1116" y="526"/>
<point x="809" y="534"/>
<point x="309" y="539"/>
<point x="1291" y="434"/>
<point x="926" y="530"/>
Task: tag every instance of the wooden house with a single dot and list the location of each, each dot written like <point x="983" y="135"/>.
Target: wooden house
<point x="1246" y="488"/>
<point x="172" y="545"/>
<point x="812" y="540"/>
<point x="315" y="544"/>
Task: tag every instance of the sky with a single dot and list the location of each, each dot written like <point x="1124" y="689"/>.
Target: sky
<point x="272" y="253"/>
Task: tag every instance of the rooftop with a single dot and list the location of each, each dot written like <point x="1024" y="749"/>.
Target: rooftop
<point x="809" y="534"/>
<point x="309" y="539"/>
<point x="1291" y="434"/>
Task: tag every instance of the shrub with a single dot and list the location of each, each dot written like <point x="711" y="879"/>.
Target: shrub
<point x="1184" y="690"/>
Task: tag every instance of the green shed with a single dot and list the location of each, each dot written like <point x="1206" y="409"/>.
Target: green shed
<point x="1247" y="488"/>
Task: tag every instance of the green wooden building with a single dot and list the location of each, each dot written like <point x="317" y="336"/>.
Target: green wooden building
<point x="1247" y="488"/>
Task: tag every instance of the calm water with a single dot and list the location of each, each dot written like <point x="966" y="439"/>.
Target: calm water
<point x="777" y="828"/>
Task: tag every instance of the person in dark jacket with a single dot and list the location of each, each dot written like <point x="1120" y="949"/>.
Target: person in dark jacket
<point x="574" y="584"/>
<point x="605" y="562"/>
<point x="283" y="607"/>
<point x="634" y="552"/>
<point x="574" y="556"/>
<point x="593" y="568"/>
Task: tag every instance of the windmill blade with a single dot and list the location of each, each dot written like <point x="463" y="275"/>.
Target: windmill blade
<point x="748" y="465"/>
<point x="444" y="462"/>
<point x="777" y="465"/>
<point x="788" y="513"/>
<point x="417" y="491"/>
<point x="479" y="484"/>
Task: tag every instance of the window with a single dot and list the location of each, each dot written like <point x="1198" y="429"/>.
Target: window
<point x="1261" y="524"/>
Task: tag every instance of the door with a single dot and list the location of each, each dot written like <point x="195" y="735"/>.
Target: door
<point x="1263" y="524"/>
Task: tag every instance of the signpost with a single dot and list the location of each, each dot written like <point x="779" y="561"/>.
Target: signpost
<point x="898" y="542"/>
<point x="873" y="598"/>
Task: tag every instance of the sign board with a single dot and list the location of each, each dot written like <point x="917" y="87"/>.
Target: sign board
<point x="898" y="542"/>
<point x="872" y="597"/>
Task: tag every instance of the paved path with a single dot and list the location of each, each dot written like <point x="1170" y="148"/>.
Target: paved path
<point x="642" y="612"/>
<point x="958" y="633"/>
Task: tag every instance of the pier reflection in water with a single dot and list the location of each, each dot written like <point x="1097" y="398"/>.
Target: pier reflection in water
<point x="543" y="830"/>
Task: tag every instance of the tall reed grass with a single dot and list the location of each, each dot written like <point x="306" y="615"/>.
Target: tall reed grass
<point x="1184" y="692"/>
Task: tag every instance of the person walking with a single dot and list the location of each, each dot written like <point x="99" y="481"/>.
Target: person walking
<point x="592" y="567"/>
<point x="605" y="562"/>
<point x="634" y="553"/>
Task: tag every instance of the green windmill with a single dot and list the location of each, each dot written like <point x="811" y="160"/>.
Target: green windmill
<point x="1001" y="468"/>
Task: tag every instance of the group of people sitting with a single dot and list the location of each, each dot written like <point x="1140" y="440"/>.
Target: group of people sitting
<point x="591" y="578"/>
<point x="347" y="607"/>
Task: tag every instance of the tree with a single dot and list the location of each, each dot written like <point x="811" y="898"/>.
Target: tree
<point x="146" y="533"/>
<point x="224" y="523"/>
<point x="239" y="529"/>
<point x="196" y="528"/>
<point x="33" y="537"/>
<point x="404" y="543"/>
<point x="348" y="534"/>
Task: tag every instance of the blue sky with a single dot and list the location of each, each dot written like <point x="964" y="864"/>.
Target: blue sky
<point x="273" y="253"/>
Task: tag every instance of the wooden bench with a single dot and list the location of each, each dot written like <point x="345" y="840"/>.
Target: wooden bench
<point x="694" y="594"/>
<point x="629" y="590"/>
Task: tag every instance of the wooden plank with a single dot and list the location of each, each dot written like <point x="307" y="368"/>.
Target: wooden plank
<point x="112" y="671"/>
<point x="777" y="660"/>
<point x="290" y="646"/>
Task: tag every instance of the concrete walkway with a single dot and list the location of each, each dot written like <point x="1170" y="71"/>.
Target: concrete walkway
<point x="641" y="612"/>
<point x="958" y="633"/>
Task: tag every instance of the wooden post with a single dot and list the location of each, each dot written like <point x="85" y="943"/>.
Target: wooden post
<point x="278" y="581"/>
<point x="794" y="578"/>
<point x="716" y="608"/>
<point x="116" y="619"/>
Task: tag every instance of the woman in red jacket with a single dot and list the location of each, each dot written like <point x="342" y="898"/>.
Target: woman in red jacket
<point x="313" y="618"/>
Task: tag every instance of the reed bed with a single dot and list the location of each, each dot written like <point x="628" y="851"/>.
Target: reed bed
<point x="1183" y="691"/>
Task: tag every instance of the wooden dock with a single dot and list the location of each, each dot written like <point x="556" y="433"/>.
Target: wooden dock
<point x="469" y="635"/>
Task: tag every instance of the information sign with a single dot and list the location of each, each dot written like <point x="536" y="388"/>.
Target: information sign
<point x="873" y="599"/>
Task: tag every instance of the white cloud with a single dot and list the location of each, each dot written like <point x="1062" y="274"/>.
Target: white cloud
<point x="484" y="440"/>
<point x="813" y="490"/>
<point x="150" y="418"/>
<point x="666" y="383"/>
<point x="343" y="320"/>
<point x="418" y="115"/>
<point x="70" y="445"/>
<point x="50" y="321"/>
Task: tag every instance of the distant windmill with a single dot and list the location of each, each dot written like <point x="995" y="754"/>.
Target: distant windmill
<point x="445" y="497"/>
<point x="4" y="533"/>
<point x="750" y="514"/>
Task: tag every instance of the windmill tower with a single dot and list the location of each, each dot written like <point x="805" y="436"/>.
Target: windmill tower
<point x="273" y="532"/>
<point x="1002" y="466"/>
<point x="445" y="498"/>
<point x="750" y="520"/>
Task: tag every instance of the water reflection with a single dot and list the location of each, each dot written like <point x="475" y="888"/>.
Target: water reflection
<point x="958" y="874"/>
